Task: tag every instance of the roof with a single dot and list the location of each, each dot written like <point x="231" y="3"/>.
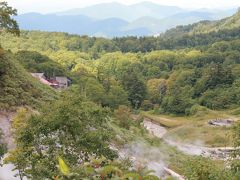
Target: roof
<point x="44" y="81"/>
<point x="62" y="79"/>
<point x="37" y="75"/>
<point x="40" y="76"/>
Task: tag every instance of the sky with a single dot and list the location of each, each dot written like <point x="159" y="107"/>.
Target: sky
<point x="48" y="6"/>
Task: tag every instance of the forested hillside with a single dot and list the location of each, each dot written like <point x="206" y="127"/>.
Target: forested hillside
<point x="206" y="77"/>
<point x="18" y="87"/>
<point x="209" y="74"/>
<point x="207" y="26"/>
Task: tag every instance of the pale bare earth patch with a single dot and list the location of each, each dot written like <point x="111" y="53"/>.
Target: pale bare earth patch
<point x="190" y="149"/>
<point x="6" y="172"/>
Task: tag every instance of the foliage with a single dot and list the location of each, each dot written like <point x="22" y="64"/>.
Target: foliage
<point x="123" y="114"/>
<point x="63" y="167"/>
<point x="71" y="127"/>
<point x="136" y="88"/>
<point x="199" y="168"/>
<point x="104" y="169"/>
<point x="156" y="89"/>
<point x="174" y="80"/>
<point x="6" y="21"/>
<point x="68" y="137"/>
<point x="35" y="62"/>
<point x="18" y="88"/>
<point x="235" y="166"/>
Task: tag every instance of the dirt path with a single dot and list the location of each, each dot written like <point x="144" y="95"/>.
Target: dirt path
<point x="5" y="126"/>
<point x="6" y="172"/>
<point x="154" y="128"/>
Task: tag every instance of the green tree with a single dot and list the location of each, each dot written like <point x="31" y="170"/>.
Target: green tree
<point x="35" y="62"/>
<point x="6" y="21"/>
<point x="178" y="100"/>
<point x="135" y="87"/>
<point x="72" y="128"/>
<point x="156" y="89"/>
<point x="123" y="114"/>
<point x="116" y="96"/>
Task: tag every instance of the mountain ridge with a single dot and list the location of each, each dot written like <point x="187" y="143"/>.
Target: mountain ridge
<point x="131" y="12"/>
<point x="108" y="19"/>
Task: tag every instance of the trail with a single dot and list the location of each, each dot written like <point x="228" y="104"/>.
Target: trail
<point x="154" y="128"/>
<point x="6" y="172"/>
<point x="214" y="153"/>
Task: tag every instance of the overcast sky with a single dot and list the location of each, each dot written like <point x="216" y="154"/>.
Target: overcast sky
<point x="46" y="6"/>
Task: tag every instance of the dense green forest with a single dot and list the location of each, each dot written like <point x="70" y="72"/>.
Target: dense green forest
<point x="188" y="69"/>
<point x="178" y="81"/>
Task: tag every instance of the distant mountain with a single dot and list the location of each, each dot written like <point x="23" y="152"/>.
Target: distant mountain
<point x="128" y="13"/>
<point x="205" y="27"/>
<point x="71" y="24"/>
<point x="161" y="25"/>
<point x="78" y="24"/>
<point x="115" y="19"/>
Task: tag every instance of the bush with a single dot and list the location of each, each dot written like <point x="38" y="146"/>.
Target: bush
<point x="196" y="108"/>
<point x="199" y="168"/>
<point x="147" y="105"/>
<point x="219" y="98"/>
<point x="123" y="114"/>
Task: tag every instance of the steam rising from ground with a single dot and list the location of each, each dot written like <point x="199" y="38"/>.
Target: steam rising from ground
<point x="196" y="148"/>
<point x="142" y="154"/>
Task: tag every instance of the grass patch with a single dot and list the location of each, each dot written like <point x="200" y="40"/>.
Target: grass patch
<point x="195" y="129"/>
<point x="164" y="121"/>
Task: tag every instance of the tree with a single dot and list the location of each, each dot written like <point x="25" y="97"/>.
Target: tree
<point x="71" y="127"/>
<point x="116" y="96"/>
<point x="6" y="21"/>
<point x="156" y="89"/>
<point x="35" y="62"/>
<point x="135" y="87"/>
<point x="123" y="114"/>
<point x="178" y="100"/>
<point x="94" y="90"/>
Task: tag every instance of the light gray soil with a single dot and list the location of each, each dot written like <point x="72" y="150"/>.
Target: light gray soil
<point x="6" y="172"/>
<point x="190" y="149"/>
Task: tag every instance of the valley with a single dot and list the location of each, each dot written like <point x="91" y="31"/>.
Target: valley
<point x="127" y="107"/>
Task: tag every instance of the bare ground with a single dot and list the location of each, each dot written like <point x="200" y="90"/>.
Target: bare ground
<point x="190" y="149"/>
<point x="6" y="172"/>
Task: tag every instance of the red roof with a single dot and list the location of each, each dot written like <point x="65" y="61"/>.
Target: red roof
<point x="44" y="81"/>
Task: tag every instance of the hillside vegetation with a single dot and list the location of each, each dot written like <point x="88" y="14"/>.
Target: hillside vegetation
<point x="18" y="87"/>
<point x="178" y="81"/>
<point x="207" y="26"/>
